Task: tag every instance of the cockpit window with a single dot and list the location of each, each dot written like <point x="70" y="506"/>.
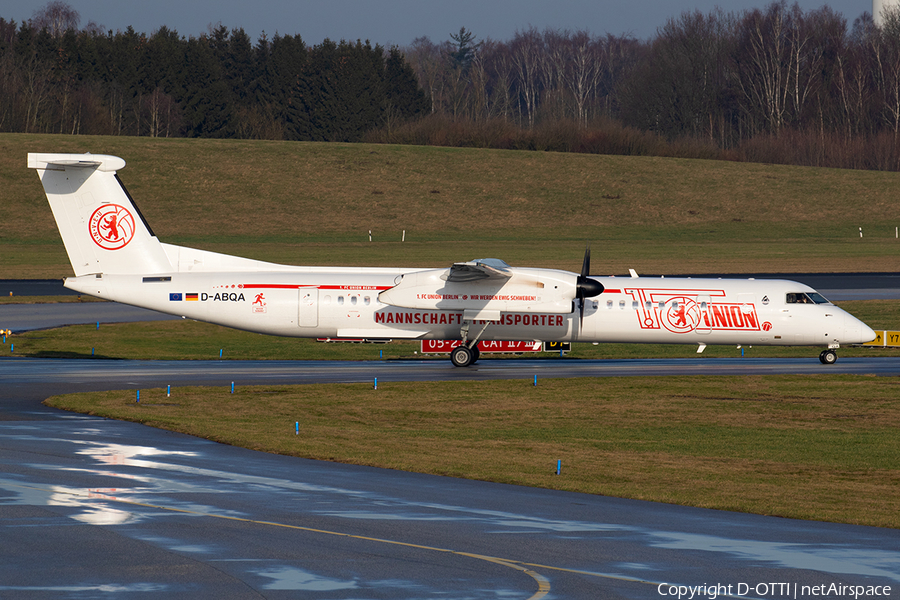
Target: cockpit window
<point x="806" y="298"/>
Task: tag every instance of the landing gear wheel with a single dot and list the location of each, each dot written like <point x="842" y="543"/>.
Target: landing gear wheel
<point x="462" y="356"/>
<point x="828" y="357"/>
<point x="476" y="354"/>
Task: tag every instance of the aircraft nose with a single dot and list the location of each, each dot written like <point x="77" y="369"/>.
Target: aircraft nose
<point x="856" y="332"/>
<point x="868" y="334"/>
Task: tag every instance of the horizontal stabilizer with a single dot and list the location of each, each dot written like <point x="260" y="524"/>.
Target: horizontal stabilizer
<point x="101" y="162"/>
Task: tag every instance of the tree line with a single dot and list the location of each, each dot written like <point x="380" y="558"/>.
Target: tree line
<point x="62" y="79"/>
<point x="722" y="76"/>
<point x="775" y="84"/>
<point x="750" y="84"/>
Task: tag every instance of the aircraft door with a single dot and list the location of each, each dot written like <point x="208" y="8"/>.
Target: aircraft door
<point x="704" y="322"/>
<point x="309" y="307"/>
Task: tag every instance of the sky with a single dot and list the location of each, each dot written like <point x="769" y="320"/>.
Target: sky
<point x="399" y="22"/>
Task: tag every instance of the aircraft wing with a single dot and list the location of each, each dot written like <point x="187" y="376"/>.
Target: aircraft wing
<point x="479" y="269"/>
<point x="484" y="288"/>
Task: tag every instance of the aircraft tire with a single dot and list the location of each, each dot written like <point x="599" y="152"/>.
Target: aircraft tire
<point x="828" y="357"/>
<point x="462" y="356"/>
<point x="476" y="354"/>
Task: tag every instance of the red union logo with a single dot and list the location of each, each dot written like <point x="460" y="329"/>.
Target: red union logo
<point x="681" y="314"/>
<point x="684" y="311"/>
<point x="111" y="226"/>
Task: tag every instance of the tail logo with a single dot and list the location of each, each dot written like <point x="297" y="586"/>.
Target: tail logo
<point x="111" y="226"/>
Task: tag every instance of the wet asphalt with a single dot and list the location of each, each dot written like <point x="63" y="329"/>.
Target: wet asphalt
<point x="95" y="508"/>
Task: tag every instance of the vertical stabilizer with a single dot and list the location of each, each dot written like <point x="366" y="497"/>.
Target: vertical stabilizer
<point x="101" y="227"/>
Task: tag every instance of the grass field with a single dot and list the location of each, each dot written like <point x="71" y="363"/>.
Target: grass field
<point x="310" y="203"/>
<point x="821" y="448"/>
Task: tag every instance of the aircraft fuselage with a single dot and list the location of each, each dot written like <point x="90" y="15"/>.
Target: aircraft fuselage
<point x="318" y="302"/>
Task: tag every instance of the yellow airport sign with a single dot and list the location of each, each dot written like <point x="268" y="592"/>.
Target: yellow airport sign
<point x="885" y="338"/>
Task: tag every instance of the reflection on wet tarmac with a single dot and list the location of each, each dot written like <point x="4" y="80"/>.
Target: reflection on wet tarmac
<point x="292" y="578"/>
<point x="343" y="531"/>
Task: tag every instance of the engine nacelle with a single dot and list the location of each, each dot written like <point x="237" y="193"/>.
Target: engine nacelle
<point x="525" y="291"/>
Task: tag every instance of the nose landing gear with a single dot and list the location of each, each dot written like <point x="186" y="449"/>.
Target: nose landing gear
<point x="828" y="357"/>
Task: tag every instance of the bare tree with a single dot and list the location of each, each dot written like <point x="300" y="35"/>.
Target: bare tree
<point x="884" y="47"/>
<point x="425" y="58"/>
<point x="583" y="72"/>
<point x="763" y="69"/>
<point x="853" y="88"/>
<point x="36" y="78"/>
<point x="503" y="79"/>
<point x="57" y="17"/>
<point x="479" y="87"/>
<point x="553" y="66"/>
<point x="527" y="50"/>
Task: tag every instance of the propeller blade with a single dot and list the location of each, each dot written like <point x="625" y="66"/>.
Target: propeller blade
<point x="586" y="265"/>
<point x="585" y="287"/>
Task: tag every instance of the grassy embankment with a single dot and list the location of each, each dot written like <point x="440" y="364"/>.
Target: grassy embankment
<point x="306" y="203"/>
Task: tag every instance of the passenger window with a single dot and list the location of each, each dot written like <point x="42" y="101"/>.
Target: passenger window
<point x="341" y="300"/>
<point x="326" y="300"/>
<point x="622" y="304"/>
<point x="353" y="300"/>
<point x="367" y="300"/>
<point x="634" y="305"/>
<point x="648" y="305"/>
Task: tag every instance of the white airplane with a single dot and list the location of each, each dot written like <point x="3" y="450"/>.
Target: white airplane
<point x="116" y="256"/>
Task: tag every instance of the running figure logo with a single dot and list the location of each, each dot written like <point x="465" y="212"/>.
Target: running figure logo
<point x="111" y="226"/>
<point x="260" y="300"/>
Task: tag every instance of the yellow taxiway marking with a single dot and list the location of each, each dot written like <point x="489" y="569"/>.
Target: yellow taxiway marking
<point x="542" y="582"/>
<point x="524" y="567"/>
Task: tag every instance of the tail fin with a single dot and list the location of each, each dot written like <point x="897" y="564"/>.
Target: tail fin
<point x="101" y="227"/>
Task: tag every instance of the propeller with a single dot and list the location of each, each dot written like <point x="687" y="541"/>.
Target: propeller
<point x="585" y="287"/>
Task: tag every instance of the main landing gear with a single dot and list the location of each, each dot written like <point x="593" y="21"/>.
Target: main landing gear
<point x="467" y="352"/>
<point x="463" y="356"/>
<point x="828" y="357"/>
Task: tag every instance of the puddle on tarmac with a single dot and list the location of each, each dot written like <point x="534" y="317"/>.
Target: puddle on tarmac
<point x="107" y="588"/>
<point x="292" y="578"/>
<point x="831" y="558"/>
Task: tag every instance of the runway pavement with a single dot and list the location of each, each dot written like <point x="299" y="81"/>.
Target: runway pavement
<point x="95" y="508"/>
<point x="98" y="508"/>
